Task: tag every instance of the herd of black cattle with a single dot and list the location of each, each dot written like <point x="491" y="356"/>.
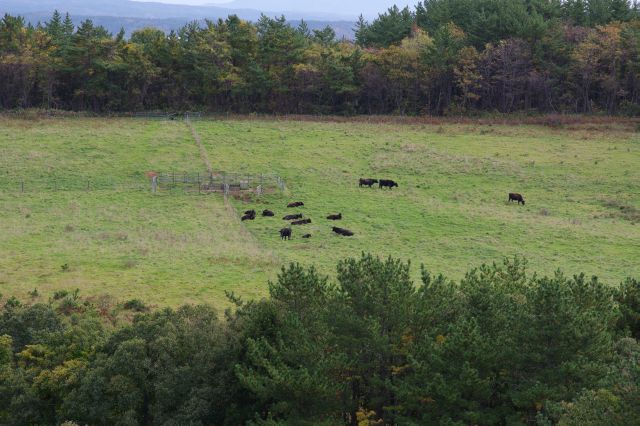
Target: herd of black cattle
<point x="298" y="219"/>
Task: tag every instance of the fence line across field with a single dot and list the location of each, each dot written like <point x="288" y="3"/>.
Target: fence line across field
<point x="25" y="185"/>
<point x="189" y="182"/>
<point x="217" y="182"/>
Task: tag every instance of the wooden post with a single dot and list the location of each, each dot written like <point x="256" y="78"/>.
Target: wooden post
<point x="87" y="185"/>
<point x="21" y="186"/>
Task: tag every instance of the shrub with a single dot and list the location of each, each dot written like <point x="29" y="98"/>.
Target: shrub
<point x="135" y="305"/>
<point x="59" y="294"/>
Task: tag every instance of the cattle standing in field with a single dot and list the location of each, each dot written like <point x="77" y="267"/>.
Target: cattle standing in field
<point x="296" y="204"/>
<point x="293" y="216"/>
<point x="335" y="216"/>
<point x="301" y="222"/>
<point x="387" y="183"/>
<point x="306" y="236"/>
<point x="514" y="196"/>
<point x="268" y="213"/>
<point x="250" y="212"/>
<point x="285" y="233"/>
<point x="341" y="231"/>
<point x="367" y="182"/>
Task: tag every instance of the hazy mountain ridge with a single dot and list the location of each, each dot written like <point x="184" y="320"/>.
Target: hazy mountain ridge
<point x="338" y="7"/>
<point x="155" y="10"/>
<point x="134" y="15"/>
<point x="130" y="24"/>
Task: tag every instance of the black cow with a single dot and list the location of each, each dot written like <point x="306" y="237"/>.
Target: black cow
<point x="296" y="204"/>
<point x="301" y="222"/>
<point x="341" y="231"/>
<point x="306" y="236"/>
<point x="249" y="215"/>
<point x="335" y="216"/>
<point x="293" y="216"/>
<point x="285" y="233"/>
<point x="387" y="183"/>
<point x="367" y="182"/>
<point x="268" y="213"/>
<point x="514" y="196"/>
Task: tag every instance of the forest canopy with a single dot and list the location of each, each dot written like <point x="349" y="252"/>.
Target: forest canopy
<point x="369" y="347"/>
<point x="440" y="57"/>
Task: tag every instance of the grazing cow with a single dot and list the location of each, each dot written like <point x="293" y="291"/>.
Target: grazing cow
<point x="268" y="213"/>
<point x="250" y="212"/>
<point x="341" y="231"/>
<point x="285" y="233"/>
<point x="301" y="222"/>
<point x="335" y="216"/>
<point x="367" y="182"/>
<point x="293" y="216"/>
<point x="514" y="196"/>
<point x="306" y="236"/>
<point x="387" y="183"/>
<point x="296" y="204"/>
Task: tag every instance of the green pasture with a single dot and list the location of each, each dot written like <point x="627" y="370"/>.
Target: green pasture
<point x="450" y="212"/>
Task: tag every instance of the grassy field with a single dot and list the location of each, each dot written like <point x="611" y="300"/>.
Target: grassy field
<point x="581" y="184"/>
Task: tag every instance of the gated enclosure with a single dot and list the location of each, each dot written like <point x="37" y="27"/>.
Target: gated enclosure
<point x="222" y="182"/>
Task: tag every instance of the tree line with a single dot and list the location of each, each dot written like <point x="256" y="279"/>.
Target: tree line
<point x="441" y="57"/>
<point x="366" y="348"/>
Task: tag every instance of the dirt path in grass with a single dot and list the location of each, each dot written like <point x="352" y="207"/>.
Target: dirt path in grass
<point x="203" y="151"/>
<point x="231" y="210"/>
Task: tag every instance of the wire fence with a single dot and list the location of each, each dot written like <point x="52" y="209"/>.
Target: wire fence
<point x="55" y="184"/>
<point x="217" y="182"/>
<point x="221" y="182"/>
<point x="162" y="115"/>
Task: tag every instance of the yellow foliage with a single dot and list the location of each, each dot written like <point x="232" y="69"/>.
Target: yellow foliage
<point x="367" y="417"/>
<point x="398" y="369"/>
<point x="418" y="42"/>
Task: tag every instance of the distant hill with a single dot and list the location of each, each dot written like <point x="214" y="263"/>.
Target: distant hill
<point x="133" y="15"/>
<point x="350" y="9"/>
<point x="113" y="24"/>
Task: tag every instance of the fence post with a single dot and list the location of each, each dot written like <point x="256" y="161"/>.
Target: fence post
<point x="21" y="186"/>
<point x="154" y="184"/>
<point x="87" y="185"/>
